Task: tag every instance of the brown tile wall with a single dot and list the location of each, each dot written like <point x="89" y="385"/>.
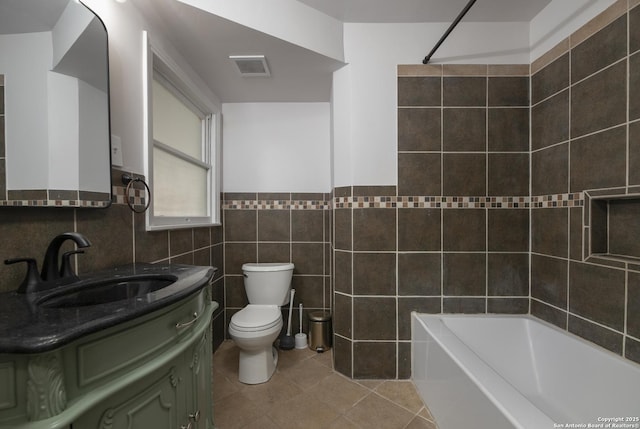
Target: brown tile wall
<point x="584" y="124"/>
<point x="118" y="237"/>
<point x="442" y="240"/>
<point x="279" y="227"/>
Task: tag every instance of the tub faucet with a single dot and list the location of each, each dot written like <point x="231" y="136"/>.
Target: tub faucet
<point x="50" y="268"/>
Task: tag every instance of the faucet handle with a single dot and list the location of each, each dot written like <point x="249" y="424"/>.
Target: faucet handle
<point x="66" y="270"/>
<point x="32" y="279"/>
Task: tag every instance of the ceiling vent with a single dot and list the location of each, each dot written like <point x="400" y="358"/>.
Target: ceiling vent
<point x="251" y="65"/>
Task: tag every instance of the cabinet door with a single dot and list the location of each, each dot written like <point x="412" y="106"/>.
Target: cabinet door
<point x="199" y="398"/>
<point x="152" y="402"/>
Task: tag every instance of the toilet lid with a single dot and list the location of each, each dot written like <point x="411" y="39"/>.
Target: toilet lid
<point x="267" y="266"/>
<point x="256" y="317"/>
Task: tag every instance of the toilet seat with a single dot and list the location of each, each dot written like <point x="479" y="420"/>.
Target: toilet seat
<point x="254" y="318"/>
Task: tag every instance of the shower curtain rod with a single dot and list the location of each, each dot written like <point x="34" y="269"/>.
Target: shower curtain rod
<point x="449" y="30"/>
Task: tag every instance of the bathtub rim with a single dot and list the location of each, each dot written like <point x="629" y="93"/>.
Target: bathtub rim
<point x="534" y="319"/>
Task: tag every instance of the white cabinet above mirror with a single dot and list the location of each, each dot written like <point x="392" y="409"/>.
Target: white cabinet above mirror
<point x="55" y="105"/>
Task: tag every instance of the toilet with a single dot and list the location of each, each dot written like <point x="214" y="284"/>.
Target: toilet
<point x="256" y="327"/>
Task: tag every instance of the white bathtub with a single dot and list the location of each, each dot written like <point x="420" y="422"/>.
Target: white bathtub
<point x="495" y="371"/>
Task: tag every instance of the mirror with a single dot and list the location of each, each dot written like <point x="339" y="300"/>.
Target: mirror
<point x="54" y="105"/>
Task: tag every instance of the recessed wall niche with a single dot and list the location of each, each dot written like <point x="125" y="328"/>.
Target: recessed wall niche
<point x="615" y="227"/>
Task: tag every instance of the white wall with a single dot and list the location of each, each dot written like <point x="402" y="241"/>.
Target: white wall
<point x="342" y="171"/>
<point x="77" y="113"/>
<point x="64" y="138"/>
<point x="24" y="60"/>
<point x="276" y="147"/>
<point x="94" y="134"/>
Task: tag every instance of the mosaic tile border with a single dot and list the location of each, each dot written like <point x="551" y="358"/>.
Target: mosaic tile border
<point x="54" y="203"/>
<point x="137" y="197"/>
<point x="432" y="202"/>
<point x="544" y="201"/>
<point x="276" y="205"/>
<point x="576" y="199"/>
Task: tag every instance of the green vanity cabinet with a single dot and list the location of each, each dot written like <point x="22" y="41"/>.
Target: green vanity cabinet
<point x="153" y="372"/>
<point x="153" y="402"/>
<point x="174" y="396"/>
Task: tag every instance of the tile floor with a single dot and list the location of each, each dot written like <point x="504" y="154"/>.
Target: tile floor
<point x="306" y="393"/>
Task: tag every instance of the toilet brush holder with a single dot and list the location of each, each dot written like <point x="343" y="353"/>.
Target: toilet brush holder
<point x="301" y="340"/>
<point x="301" y="337"/>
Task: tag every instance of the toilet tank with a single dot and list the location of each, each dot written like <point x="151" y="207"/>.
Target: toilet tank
<point x="267" y="283"/>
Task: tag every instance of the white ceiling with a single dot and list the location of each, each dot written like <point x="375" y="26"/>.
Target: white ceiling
<point x="428" y="10"/>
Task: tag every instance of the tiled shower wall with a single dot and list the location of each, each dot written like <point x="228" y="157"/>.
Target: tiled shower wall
<point x="453" y="235"/>
<point x="118" y="237"/>
<point x="279" y="227"/>
<point x="470" y="228"/>
<point x="586" y="141"/>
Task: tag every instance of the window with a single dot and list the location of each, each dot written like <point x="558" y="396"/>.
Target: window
<point x="182" y="165"/>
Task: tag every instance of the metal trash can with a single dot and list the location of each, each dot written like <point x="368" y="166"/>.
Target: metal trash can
<point x="320" y="331"/>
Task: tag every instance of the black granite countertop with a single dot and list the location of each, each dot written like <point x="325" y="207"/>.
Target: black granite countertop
<point x="28" y="327"/>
